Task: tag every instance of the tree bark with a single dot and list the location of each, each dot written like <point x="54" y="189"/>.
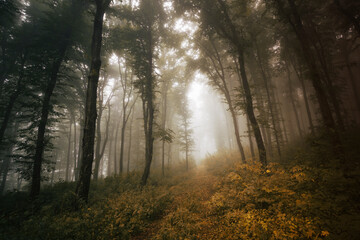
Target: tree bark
<point x="232" y="35"/>
<point x="83" y="185"/>
<point x="74" y="152"/>
<point x="79" y="154"/>
<point x="122" y="144"/>
<point x="67" y="177"/>
<point x="163" y="125"/>
<point x="250" y="139"/>
<point x="130" y="141"/>
<point x="115" y="147"/>
<point x="250" y="109"/>
<point x="270" y="103"/>
<point x="149" y="110"/>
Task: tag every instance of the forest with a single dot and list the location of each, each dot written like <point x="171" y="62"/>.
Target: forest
<point x="179" y="119"/>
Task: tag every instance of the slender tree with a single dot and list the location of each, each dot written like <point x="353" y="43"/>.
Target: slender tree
<point x="83" y="185"/>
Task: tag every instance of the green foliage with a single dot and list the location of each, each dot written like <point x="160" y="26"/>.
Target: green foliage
<point x="118" y="209"/>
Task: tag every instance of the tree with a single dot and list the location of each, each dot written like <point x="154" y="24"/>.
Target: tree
<point x="140" y="39"/>
<point x="57" y="49"/>
<point x="215" y="69"/>
<point x="83" y="185"/>
<point x="185" y="133"/>
<point x="289" y="10"/>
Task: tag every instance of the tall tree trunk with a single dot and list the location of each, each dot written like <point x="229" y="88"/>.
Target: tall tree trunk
<point x="302" y="82"/>
<point x="122" y="144"/>
<point x="79" y="155"/>
<point x="282" y="118"/>
<point x="130" y="141"/>
<point x="149" y="110"/>
<point x="317" y="42"/>
<point x="83" y="185"/>
<point x="223" y="86"/>
<point x="67" y="177"/>
<point x="325" y="109"/>
<point x="352" y="81"/>
<point x="270" y="103"/>
<point x="98" y="143"/>
<point x="250" y="139"/>
<point x="40" y="141"/>
<point x="108" y="171"/>
<point x="293" y="104"/>
<point x="236" y="41"/>
<point x="74" y="152"/>
<point x="163" y="125"/>
<point x="5" y="166"/>
<point x="250" y="109"/>
<point x="237" y="132"/>
<point x="100" y="152"/>
<point x="115" y="147"/>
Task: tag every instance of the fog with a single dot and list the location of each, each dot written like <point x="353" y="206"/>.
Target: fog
<point x="163" y="85"/>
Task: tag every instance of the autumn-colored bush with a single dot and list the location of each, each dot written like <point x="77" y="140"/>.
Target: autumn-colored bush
<point x="286" y="202"/>
<point x="296" y="198"/>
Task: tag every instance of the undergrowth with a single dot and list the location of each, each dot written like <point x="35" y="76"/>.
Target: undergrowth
<point x="307" y="194"/>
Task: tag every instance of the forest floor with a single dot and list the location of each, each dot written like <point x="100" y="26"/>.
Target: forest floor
<point x="219" y="199"/>
<point x="194" y="191"/>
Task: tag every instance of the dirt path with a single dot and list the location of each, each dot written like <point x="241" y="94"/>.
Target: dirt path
<point x="192" y="194"/>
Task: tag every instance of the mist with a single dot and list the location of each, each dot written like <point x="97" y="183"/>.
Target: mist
<point x="166" y="119"/>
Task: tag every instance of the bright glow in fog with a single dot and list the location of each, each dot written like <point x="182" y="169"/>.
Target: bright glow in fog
<point x="204" y="102"/>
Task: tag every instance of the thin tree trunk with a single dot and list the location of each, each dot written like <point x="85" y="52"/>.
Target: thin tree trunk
<point x="74" y="156"/>
<point x="115" y="147"/>
<point x="282" y="118"/>
<point x="163" y="125"/>
<point x="291" y="94"/>
<point x="320" y="53"/>
<point x="250" y="109"/>
<point x="122" y="144"/>
<point x="40" y="142"/>
<point x="225" y="90"/>
<point x="130" y="141"/>
<point x="301" y="80"/>
<point x="270" y="104"/>
<point x="315" y="79"/>
<point x="68" y="153"/>
<point x="149" y="110"/>
<point x="237" y="134"/>
<point x="5" y="166"/>
<point x="108" y="172"/>
<point x="236" y="41"/>
<point x="250" y="139"/>
<point x="83" y="185"/>
<point x="102" y="149"/>
<point x="352" y="81"/>
<point x="79" y="155"/>
<point x="98" y="133"/>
